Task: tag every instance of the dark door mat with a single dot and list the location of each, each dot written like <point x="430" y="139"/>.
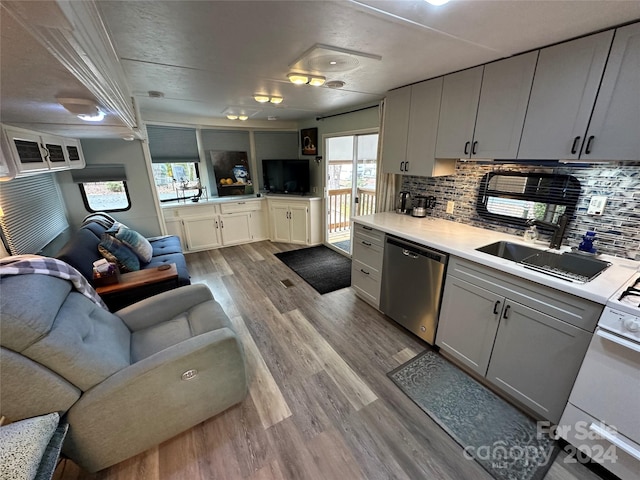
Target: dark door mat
<point x="322" y="268"/>
<point x="498" y="436"/>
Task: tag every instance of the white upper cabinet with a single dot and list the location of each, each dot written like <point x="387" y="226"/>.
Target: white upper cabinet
<point x="562" y="97"/>
<point x="506" y="86"/>
<point x="483" y="109"/>
<point x="614" y="130"/>
<point x="410" y="131"/>
<point x="460" y="94"/>
<point x="395" y="131"/>
<point x="33" y="152"/>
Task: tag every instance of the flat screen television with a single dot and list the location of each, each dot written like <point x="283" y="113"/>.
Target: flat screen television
<point x="286" y="176"/>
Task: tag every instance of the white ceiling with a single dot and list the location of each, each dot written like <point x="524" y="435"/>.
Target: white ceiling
<point x="210" y="57"/>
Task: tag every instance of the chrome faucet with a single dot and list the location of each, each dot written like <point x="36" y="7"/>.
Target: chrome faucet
<point x="558" y="229"/>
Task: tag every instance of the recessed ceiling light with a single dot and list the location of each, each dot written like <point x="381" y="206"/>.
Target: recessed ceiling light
<point x="261" y="98"/>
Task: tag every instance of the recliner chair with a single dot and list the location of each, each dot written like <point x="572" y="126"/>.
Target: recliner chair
<point x="127" y="381"/>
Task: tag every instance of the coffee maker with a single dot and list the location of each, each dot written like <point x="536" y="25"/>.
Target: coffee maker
<point x="404" y="203"/>
<point x="423" y="203"/>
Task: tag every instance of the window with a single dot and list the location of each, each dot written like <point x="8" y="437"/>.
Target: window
<point x="514" y="197"/>
<point x="176" y="181"/>
<point x="111" y="196"/>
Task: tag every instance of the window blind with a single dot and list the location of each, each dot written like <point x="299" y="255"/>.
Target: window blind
<point x="172" y="144"/>
<point x="225" y="140"/>
<point x="99" y="173"/>
<point x="33" y="213"/>
<point x="276" y="145"/>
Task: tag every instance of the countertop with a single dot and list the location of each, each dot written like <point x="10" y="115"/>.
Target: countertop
<point x="234" y="199"/>
<point x="461" y="240"/>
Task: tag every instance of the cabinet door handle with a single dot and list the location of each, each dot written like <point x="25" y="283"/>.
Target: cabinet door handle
<point x="587" y="150"/>
<point x="466" y="148"/>
<point x="364" y="227"/>
<point x="506" y="311"/>
<point x="366" y="244"/>
<point x="365" y="272"/>
<point x="216" y="224"/>
<point x="221" y="224"/>
<point x="406" y="166"/>
<point x="495" y="307"/>
<point x="474" y="149"/>
<point x="402" y="166"/>
<point x="574" y="147"/>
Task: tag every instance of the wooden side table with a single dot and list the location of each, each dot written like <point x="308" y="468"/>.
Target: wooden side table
<point x="131" y="285"/>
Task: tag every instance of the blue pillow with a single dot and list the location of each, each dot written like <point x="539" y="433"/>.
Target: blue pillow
<point x="135" y="242"/>
<point x="115" y="251"/>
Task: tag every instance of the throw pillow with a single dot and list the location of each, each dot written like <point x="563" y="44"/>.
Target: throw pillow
<point x="23" y="443"/>
<point x="135" y="242"/>
<point x="115" y="251"/>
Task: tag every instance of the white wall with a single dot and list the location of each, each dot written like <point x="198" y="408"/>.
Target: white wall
<point x="142" y="216"/>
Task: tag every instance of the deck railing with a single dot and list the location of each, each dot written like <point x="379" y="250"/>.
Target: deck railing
<point x="339" y="207"/>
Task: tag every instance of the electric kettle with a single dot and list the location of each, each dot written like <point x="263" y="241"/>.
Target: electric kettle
<point x="404" y="202"/>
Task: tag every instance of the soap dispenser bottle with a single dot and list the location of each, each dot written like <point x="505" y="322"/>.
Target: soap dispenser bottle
<point x="586" y="245"/>
<point x="531" y="234"/>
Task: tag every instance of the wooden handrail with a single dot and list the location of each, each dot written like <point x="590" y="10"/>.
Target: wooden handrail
<point x="339" y="206"/>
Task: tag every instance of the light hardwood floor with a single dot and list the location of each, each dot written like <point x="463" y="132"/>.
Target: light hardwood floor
<point x="320" y="404"/>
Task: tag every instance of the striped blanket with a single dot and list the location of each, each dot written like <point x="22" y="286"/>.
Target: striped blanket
<point x="30" y="264"/>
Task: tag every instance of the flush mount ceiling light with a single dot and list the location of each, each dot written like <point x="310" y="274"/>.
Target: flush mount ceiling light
<point x="276" y="100"/>
<point x="437" y="3"/>
<point x="261" y="98"/>
<point x="83" y="108"/>
<point x="242" y="117"/>
<point x="303" y="78"/>
<point x="232" y="117"/>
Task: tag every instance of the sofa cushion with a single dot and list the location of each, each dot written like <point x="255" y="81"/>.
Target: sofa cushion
<point x="81" y="251"/>
<point x="23" y="443"/>
<point x="165" y="245"/>
<point x="136" y="242"/>
<point x="116" y="251"/>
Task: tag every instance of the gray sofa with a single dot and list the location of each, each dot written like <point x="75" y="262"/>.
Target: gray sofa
<point x="126" y="381"/>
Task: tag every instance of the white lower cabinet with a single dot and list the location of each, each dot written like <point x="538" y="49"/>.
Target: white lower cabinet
<point x="296" y="220"/>
<point x="202" y="227"/>
<point x="526" y="339"/>
<point x="366" y="264"/>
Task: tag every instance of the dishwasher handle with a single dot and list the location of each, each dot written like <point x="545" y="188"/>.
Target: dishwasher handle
<point x="413" y="250"/>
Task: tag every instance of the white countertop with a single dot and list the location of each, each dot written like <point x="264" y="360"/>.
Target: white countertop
<point x="234" y="199"/>
<point x="461" y="240"/>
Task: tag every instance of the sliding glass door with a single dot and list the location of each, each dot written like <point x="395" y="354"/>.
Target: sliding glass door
<point x="351" y="162"/>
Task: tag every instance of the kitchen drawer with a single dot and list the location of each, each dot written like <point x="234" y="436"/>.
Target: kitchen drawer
<point x="367" y="252"/>
<point x="238" y="207"/>
<point x="366" y="283"/>
<point x="372" y="235"/>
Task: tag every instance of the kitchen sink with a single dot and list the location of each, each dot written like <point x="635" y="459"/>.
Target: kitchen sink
<point x="568" y="266"/>
<point x="509" y="251"/>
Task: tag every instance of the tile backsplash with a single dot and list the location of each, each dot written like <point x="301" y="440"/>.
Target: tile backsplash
<point x="617" y="229"/>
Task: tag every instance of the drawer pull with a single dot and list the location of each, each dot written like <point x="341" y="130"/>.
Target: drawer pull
<point x="366" y="228"/>
<point x="365" y="272"/>
<point x="367" y="244"/>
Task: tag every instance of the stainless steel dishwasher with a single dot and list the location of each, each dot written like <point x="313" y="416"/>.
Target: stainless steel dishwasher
<point x="412" y="281"/>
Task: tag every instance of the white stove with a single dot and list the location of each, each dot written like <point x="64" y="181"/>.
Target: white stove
<point x="622" y="312"/>
<point x="601" y="418"/>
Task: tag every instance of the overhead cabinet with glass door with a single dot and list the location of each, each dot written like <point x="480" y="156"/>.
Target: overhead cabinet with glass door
<point x="483" y="109"/>
<point x="410" y="129"/>
<point x="34" y="152"/>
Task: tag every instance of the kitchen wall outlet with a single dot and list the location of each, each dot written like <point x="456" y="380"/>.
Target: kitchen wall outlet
<point x="450" y="205"/>
<point x="596" y="205"/>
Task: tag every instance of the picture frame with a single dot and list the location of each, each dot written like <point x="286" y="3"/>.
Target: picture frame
<point x="309" y="141"/>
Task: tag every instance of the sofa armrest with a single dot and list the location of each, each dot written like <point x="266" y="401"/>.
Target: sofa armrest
<point x="151" y="402"/>
<point x="163" y="306"/>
